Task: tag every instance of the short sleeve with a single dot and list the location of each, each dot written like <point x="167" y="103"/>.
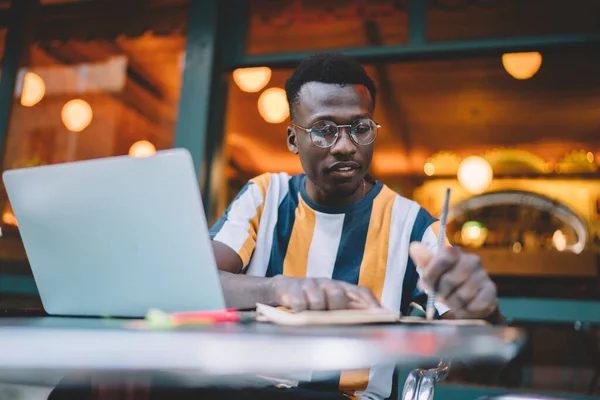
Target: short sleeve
<point x="238" y="227"/>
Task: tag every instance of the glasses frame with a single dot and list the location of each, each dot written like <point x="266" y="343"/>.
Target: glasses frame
<point x="337" y="135"/>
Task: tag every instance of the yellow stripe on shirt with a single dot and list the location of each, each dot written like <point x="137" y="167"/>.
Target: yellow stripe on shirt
<point x="245" y="253"/>
<point x="374" y="262"/>
<point x="295" y="263"/>
<point x="355" y="380"/>
<point x="372" y="272"/>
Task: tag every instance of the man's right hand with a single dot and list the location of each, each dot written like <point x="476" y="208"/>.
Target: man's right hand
<point x="243" y="291"/>
<point x="299" y="294"/>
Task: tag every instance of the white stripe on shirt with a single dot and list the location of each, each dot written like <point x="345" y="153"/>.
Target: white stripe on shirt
<point x="324" y="246"/>
<point x="278" y="188"/>
<point x="234" y="231"/>
<point x="404" y="214"/>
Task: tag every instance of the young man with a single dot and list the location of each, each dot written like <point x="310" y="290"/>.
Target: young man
<point x="333" y="238"/>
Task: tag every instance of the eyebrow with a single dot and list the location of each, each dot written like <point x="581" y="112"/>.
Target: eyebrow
<point x="332" y="118"/>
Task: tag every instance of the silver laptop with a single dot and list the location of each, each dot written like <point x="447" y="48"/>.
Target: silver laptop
<point x="116" y="236"/>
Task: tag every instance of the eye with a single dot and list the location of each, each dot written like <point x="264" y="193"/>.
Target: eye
<point x="324" y="129"/>
<point x="362" y="128"/>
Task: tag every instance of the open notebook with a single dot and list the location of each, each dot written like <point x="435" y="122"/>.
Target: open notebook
<point x="346" y="317"/>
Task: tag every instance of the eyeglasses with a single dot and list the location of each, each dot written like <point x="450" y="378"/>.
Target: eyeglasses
<point x="325" y="133"/>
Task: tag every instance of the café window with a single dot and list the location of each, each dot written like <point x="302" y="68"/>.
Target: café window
<point x="519" y="221"/>
<point x="522" y="236"/>
<point x="98" y="81"/>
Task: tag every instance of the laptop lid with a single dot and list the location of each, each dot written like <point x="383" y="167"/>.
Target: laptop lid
<point x="116" y="236"/>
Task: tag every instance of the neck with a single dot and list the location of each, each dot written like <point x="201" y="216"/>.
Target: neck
<point x="320" y="196"/>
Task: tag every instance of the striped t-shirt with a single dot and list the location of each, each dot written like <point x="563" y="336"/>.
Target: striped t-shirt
<point x="277" y="229"/>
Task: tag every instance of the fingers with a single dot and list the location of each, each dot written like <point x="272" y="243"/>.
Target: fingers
<point x="459" y="280"/>
<point x="465" y="286"/>
<point x="439" y="265"/>
<point x="314" y="295"/>
<point x="433" y="265"/>
<point x="335" y="295"/>
<point x="361" y="297"/>
<point x="464" y="295"/>
<point x="420" y="254"/>
<point x="323" y="294"/>
<point x="291" y="295"/>
<point x="462" y="280"/>
<point x="485" y="302"/>
<point x="342" y="295"/>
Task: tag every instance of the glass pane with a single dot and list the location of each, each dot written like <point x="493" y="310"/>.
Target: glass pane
<point x="467" y="20"/>
<point x="531" y="131"/>
<point x="291" y="25"/>
<point x="446" y="110"/>
<point x="518" y="242"/>
<point x="93" y="95"/>
<point x="250" y="153"/>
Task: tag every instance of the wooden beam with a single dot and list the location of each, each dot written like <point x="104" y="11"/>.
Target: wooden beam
<point x="431" y="51"/>
<point x="133" y="96"/>
<point x="88" y="20"/>
<point x="136" y="71"/>
<point x="387" y="91"/>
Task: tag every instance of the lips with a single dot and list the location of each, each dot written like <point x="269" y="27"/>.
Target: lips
<point x="344" y="168"/>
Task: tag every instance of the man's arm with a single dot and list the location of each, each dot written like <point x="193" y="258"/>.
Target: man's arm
<point x="243" y="292"/>
<point x="227" y="259"/>
<point x="240" y="291"/>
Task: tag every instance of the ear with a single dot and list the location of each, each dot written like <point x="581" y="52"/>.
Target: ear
<point x="292" y="143"/>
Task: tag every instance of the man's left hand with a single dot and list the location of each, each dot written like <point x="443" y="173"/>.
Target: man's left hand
<point x="459" y="279"/>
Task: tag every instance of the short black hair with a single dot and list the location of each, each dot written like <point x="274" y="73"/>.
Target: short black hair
<point x="333" y="68"/>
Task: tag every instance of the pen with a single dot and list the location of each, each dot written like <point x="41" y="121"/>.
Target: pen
<point x="442" y="235"/>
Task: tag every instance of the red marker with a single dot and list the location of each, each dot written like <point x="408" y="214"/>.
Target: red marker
<point x="212" y="317"/>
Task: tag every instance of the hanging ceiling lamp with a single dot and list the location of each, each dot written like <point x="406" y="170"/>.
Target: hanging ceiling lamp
<point x="475" y="174"/>
<point x="33" y="91"/>
<point x="252" y="80"/>
<point x="429" y="169"/>
<point x="273" y="106"/>
<point x="142" y="148"/>
<point x="8" y="217"/>
<point x="522" y="65"/>
<point x="76" y="115"/>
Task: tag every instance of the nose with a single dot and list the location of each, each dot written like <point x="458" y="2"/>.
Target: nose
<point x="344" y="145"/>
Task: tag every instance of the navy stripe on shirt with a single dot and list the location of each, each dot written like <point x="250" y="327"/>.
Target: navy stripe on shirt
<point x="286" y="217"/>
<point x="352" y="246"/>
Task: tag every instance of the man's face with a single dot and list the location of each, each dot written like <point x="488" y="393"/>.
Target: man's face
<point x="339" y="169"/>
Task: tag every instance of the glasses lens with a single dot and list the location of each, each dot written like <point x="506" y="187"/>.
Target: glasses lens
<point x="364" y="131"/>
<point x="324" y="133"/>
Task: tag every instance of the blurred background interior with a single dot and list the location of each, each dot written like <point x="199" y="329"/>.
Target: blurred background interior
<point x="497" y="99"/>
